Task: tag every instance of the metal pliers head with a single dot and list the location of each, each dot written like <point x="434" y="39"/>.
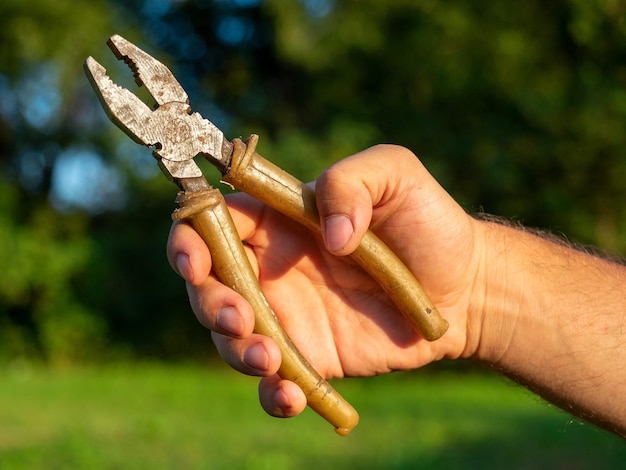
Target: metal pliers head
<point x="176" y="135"/>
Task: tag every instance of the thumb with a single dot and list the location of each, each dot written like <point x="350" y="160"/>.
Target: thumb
<point x="344" y="204"/>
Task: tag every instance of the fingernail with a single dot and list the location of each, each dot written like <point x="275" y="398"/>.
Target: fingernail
<point x="229" y="321"/>
<point x="338" y="230"/>
<point x="282" y="401"/>
<point x="183" y="266"/>
<point x="255" y="357"/>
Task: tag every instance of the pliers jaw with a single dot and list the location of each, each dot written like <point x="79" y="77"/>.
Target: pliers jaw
<point x="148" y="72"/>
<point x="175" y="134"/>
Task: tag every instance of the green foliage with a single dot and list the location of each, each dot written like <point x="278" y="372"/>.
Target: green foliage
<point x="45" y="252"/>
<point x="59" y="31"/>
<point x="518" y="108"/>
<point x="42" y="253"/>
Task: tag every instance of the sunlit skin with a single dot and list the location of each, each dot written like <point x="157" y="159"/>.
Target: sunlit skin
<point x="546" y="314"/>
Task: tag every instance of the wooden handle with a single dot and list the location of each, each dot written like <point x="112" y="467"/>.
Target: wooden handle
<point x="266" y="182"/>
<point x="208" y="214"/>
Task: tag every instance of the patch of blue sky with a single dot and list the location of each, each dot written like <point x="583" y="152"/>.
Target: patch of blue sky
<point x="82" y="179"/>
<point x="38" y="97"/>
<point x="318" y="8"/>
<point x="234" y="30"/>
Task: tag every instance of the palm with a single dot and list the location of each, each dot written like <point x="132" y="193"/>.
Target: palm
<point x="334" y="312"/>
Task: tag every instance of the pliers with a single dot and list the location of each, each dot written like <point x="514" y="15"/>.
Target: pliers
<point x="177" y="136"/>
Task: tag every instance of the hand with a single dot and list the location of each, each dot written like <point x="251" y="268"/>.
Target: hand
<point x="336" y="315"/>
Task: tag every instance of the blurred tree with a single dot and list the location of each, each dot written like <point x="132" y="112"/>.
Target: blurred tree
<point x="42" y="250"/>
<point x="517" y="108"/>
<point x="74" y="247"/>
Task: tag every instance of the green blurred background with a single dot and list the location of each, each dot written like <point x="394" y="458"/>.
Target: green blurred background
<point x="517" y="108"/>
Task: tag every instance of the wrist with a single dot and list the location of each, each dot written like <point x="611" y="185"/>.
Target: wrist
<point x="498" y="293"/>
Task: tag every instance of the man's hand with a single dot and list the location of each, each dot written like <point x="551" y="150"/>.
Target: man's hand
<point x="334" y="312"/>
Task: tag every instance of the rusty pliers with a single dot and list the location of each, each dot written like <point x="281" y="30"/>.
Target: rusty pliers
<point x="177" y="136"/>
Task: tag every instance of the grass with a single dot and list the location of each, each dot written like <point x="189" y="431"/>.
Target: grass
<point x="158" y="416"/>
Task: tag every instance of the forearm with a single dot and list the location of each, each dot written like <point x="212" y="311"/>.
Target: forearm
<point x="554" y="319"/>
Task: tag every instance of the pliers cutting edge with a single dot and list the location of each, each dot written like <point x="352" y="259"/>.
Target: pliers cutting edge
<point x="177" y="136"/>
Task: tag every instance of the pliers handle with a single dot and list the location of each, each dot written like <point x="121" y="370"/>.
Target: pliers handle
<point x="208" y="214"/>
<point x="258" y="177"/>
